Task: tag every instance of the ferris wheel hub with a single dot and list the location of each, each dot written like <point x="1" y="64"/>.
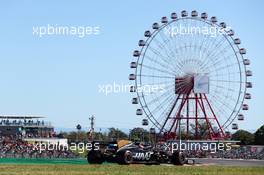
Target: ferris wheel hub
<point x="196" y="83"/>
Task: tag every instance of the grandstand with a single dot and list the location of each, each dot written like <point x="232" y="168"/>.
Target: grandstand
<point x="25" y="126"/>
<point x="19" y="134"/>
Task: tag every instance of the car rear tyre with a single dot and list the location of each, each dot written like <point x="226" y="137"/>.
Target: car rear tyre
<point x="95" y="157"/>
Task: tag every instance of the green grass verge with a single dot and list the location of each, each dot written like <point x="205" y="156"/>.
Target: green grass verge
<point x="42" y="161"/>
<point x="114" y="169"/>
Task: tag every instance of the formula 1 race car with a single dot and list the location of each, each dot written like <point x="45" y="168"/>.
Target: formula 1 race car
<point x="134" y="153"/>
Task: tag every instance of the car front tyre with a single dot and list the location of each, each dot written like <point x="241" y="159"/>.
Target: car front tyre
<point x="178" y="158"/>
<point x="125" y="157"/>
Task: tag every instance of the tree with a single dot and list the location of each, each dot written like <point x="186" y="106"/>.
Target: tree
<point x="244" y="137"/>
<point x="259" y="136"/>
<point x="74" y="136"/>
<point x="100" y="136"/>
<point x="139" y="134"/>
<point x="116" y="134"/>
<point x="202" y="130"/>
<point x="62" y="135"/>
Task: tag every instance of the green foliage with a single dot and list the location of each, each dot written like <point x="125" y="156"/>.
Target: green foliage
<point x="116" y="134"/>
<point x="244" y="137"/>
<point x="82" y="136"/>
<point x="139" y="134"/>
<point x="259" y="136"/>
<point x="202" y="132"/>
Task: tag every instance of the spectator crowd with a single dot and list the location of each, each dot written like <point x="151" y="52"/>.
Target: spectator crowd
<point x="14" y="147"/>
<point x="241" y="152"/>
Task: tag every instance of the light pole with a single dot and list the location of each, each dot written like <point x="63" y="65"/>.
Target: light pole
<point x="92" y="118"/>
<point x="78" y="127"/>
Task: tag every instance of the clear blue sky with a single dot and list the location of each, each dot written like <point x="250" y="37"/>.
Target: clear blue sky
<point x="58" y="76"/>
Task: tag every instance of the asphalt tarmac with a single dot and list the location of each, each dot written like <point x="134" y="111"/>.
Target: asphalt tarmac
<point x="229" y="162"/>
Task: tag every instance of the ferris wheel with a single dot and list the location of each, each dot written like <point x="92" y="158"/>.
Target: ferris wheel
<point x="190" y="71"/>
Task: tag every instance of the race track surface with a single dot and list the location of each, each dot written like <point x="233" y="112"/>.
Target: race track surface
<point x="229" y="162"/>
